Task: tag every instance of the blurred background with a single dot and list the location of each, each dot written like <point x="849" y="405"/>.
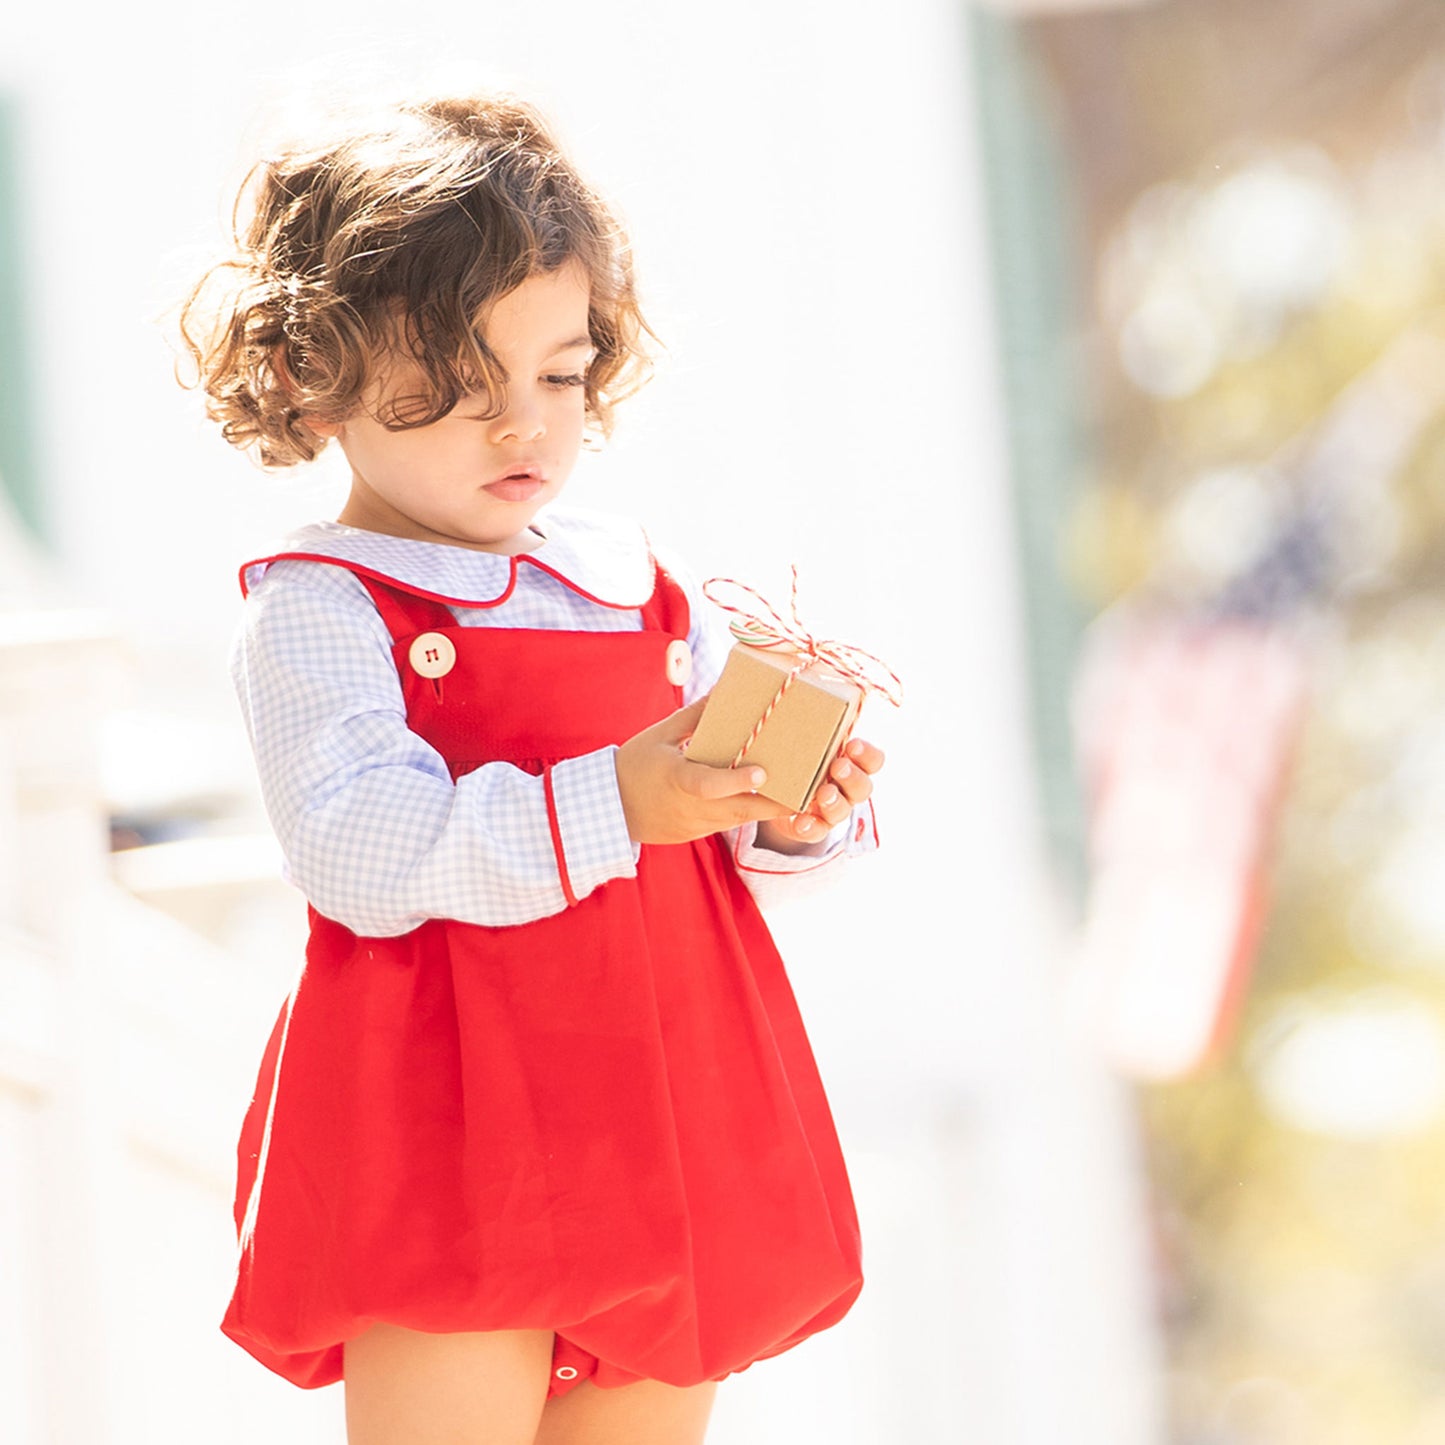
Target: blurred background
<point x="1089" y="361"/>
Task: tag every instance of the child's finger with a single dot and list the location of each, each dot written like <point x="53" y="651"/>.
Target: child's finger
<point x="865" y="755"/>
<point x="851" y="780"/>
<point x="703" y="781"/>
<point x="677" y="727"/>
<point x="831" y="804"/>
<point x="804" y="827"/>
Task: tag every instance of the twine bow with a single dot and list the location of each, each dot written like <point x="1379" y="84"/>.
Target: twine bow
<point x="762" y="626"/>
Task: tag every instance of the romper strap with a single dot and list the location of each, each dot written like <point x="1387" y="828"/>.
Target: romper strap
<point x="666" y="610"/>
<point x="404" y="613"/>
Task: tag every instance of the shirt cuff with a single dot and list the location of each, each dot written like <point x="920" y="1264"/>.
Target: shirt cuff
<point x="855" y="835"/>
<point x="590" y="821"/>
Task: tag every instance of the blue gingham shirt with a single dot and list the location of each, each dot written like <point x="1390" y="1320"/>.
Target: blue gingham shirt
<point x="372" y="827"/>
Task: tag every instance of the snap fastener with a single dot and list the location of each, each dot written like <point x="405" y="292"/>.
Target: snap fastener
<point x="678" y="663"/>
<point x="566" y="1372"/>
<point x="432" y="654"/>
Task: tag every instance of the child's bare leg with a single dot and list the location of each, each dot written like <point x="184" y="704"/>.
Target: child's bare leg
<point x="407" y="1388"/>
<point x="646" y="1413"/>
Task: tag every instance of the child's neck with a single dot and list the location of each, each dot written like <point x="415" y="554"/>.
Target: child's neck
<point x="363" y="519"/>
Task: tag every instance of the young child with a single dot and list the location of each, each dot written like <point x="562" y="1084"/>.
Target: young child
<point x="538" y="1150"/>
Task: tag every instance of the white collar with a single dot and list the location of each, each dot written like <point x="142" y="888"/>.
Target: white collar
<point x="604" y="557"/>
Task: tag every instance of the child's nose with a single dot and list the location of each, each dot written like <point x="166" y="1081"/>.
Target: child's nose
<point x="521" y="420"/>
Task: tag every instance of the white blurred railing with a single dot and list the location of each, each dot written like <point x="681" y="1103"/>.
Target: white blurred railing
<point x="121" y="1077"/>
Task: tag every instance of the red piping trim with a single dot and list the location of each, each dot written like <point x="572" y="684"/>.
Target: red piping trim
<point x="361" y="569"/>
<point x="582" y="591"/>
<point x="556" y="828"/>
<point x="873" y="824"/>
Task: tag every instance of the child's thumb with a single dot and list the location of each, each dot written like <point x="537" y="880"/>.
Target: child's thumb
<point x="676" y="728"/>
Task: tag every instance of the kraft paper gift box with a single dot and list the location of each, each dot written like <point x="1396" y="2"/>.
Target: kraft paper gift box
<point x="800" y="739"/>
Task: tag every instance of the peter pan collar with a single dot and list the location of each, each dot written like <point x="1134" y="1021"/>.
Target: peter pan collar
<point x="605" y="558"/>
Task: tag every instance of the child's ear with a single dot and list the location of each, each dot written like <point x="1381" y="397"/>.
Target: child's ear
<point x="313" y="423"/>
<point x="326" y="430"/>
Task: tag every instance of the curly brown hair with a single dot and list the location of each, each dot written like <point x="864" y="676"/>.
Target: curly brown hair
<point x="398" y="236"/>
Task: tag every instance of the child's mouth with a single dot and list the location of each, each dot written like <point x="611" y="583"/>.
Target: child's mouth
<point x="519" y="486"/>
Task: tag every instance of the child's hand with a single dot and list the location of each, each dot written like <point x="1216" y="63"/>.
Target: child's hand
<point x="667" y="799"/>
<point x="851" y="783"/>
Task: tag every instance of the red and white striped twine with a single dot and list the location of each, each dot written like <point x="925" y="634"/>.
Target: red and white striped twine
<point x="761" y="626"/>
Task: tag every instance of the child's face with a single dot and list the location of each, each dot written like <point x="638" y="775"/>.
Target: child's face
<point x="467" y="480"/>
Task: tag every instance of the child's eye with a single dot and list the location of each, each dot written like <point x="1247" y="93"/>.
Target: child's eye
<point x="561" y="382"/>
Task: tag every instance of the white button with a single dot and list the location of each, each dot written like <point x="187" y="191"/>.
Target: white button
<point x="679" y="662"/>
<point x="566" y="1372"/>
<point x="432" y="654"/>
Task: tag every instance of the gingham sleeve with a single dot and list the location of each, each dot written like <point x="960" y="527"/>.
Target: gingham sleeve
<point x="373" y="829"/>
<point x="770" y="877"/>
